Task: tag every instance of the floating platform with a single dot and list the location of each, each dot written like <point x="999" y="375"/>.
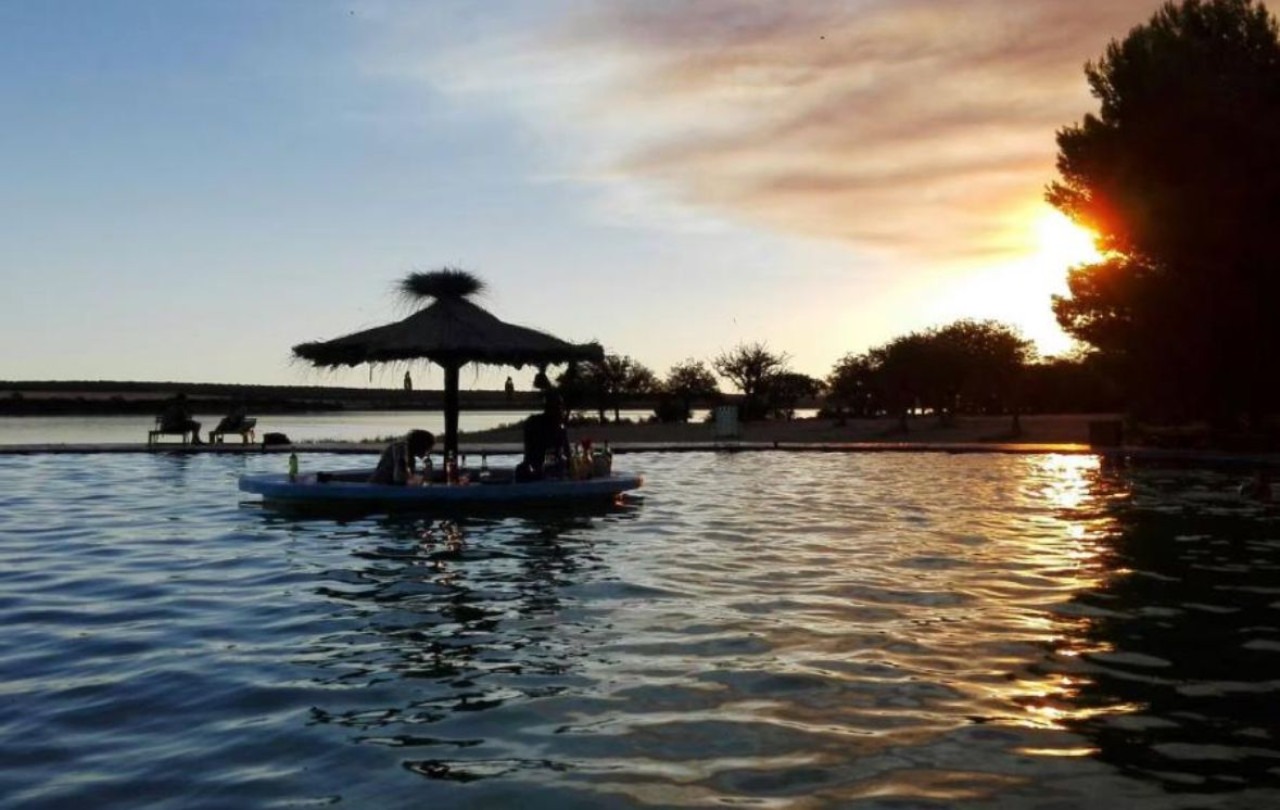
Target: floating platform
<point x="350" y="488"/>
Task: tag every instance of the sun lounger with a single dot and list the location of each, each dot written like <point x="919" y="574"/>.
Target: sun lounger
<point x="162" y="429"/>
<point x="245" y="427"/>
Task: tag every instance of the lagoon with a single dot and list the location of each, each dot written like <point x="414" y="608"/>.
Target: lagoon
<point x="798" y="630"/>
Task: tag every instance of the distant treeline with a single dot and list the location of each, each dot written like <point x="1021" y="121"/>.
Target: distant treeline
<point x="967" y="367"/>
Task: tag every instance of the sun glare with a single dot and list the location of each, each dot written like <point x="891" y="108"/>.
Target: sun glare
<point x="1063" y="244"/>
<point x="1020" y="291"/>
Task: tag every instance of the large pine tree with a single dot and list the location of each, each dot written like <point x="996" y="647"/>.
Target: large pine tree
<point x="1179" y="175"/>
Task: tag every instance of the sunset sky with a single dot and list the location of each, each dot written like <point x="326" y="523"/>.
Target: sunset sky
<point x="190" y="188"/>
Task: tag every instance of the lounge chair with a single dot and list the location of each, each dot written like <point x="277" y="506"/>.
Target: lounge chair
<point x="244" y="425"/>
<point x="166" y="429"/>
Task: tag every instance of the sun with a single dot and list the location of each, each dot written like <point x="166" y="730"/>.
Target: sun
<point x="1062" y="244"/>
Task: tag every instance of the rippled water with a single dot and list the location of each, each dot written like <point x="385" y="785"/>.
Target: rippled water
<point x="765" y="629"/>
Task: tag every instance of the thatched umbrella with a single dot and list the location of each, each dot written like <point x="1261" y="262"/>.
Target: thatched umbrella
<point x="450" y="332"/>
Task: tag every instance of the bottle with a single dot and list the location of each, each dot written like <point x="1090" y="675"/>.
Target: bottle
<point x="427" y="470"/>
<point x="608" y="459"/>
<point x="293" y="466"/>
<point x="484" y="466"/>
<point x="450" y="468"/>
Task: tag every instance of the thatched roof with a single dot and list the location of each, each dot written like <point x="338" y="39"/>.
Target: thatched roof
<point x="451" y="331"/>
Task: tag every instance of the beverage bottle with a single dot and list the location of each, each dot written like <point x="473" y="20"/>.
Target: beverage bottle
<point x="293" y="466"/>
<point x="484" y="466"/>
<point x="450" y="468"/>
<point x="427" y="470"/>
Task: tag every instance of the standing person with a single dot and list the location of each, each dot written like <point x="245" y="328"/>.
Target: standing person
<point x="177" y="417"/>
<point x="511" y="390"/>
<point x="408" y="382"/>
<point x="396" y="463"/>
<point x="544" y="433"/>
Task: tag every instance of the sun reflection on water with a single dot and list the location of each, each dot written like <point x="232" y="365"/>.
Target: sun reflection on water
<point x="1071" y="542"/>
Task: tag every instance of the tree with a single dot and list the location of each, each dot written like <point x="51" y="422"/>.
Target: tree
<point x="575" y="388"/>
<point x="1079" y="383"/>
<point x="688" y="382"/>
<point x="851" y="388"/>
<point x="614" y="378"/>
<point x="989" y="358"/>
<point x="749" y="366"/>
<point x="964" y="367"/>
<point x="1179" y="176"/>
<point x="902" y="371"/>
<point x="784" y="390"/>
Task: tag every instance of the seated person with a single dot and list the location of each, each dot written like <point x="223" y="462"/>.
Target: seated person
<point x="543" y="433"/>
<point x="177" y="418"/>
<point x="234" y="421"/>
<point x="396" y="464"/>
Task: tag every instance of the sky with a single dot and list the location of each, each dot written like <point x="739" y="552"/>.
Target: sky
<point x="191" y="188"/>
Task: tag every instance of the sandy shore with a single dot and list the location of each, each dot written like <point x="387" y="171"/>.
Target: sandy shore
<point x="1040" y="429"/>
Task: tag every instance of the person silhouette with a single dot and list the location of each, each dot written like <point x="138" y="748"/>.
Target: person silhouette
<point x="545" y="439"/>
<point x="510" y="389"/>
<point x="177" y="416"/>
<point x="408" y="382"/>
<point x="396" y="465"/>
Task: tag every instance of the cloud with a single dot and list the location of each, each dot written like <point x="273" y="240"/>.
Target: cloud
<point x="909" y="127"/>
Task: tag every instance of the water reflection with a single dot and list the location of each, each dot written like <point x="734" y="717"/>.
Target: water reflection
<point x="773" y="629"/>
<point x="444" y="620"/>
<point x="1171" y="643"/>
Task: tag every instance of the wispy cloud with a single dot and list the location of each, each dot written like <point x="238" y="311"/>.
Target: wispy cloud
<point x="915" y="127"/>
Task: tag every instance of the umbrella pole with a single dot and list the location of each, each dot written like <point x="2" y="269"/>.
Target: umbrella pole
<point x="451" y="408"/>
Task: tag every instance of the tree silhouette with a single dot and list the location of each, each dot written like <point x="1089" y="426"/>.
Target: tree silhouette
<point x="851" y="388"/>
<point x="990" y="358"/>
<point x="749" y="366"/>
<point x="688" y="382"/>
<point x="1179" y="176"/>
<point x="613" y="379"/>
<point x="783" y="391"/>
<point x="903" y="370"/>
<point x="964" y="367"/>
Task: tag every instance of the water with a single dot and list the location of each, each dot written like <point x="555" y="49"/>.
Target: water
<point x="770" y="630"/>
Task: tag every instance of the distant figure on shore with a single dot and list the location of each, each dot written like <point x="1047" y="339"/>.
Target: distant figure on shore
<point x="510" y="389"/>
<point x="177" y="417"/>
<point x="396" y="465"/>
<point x="541" y="383"/>
<point x="544" y="433"/>
<point x="1257" y="488"/>
<point x="408" y="382"/>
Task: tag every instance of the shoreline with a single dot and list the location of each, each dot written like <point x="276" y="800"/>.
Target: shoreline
<point x="1040" y="434"/>
<point x="1119" y="454"/>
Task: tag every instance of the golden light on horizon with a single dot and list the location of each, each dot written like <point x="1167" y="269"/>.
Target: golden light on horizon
<point x="1046" y="245"/>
